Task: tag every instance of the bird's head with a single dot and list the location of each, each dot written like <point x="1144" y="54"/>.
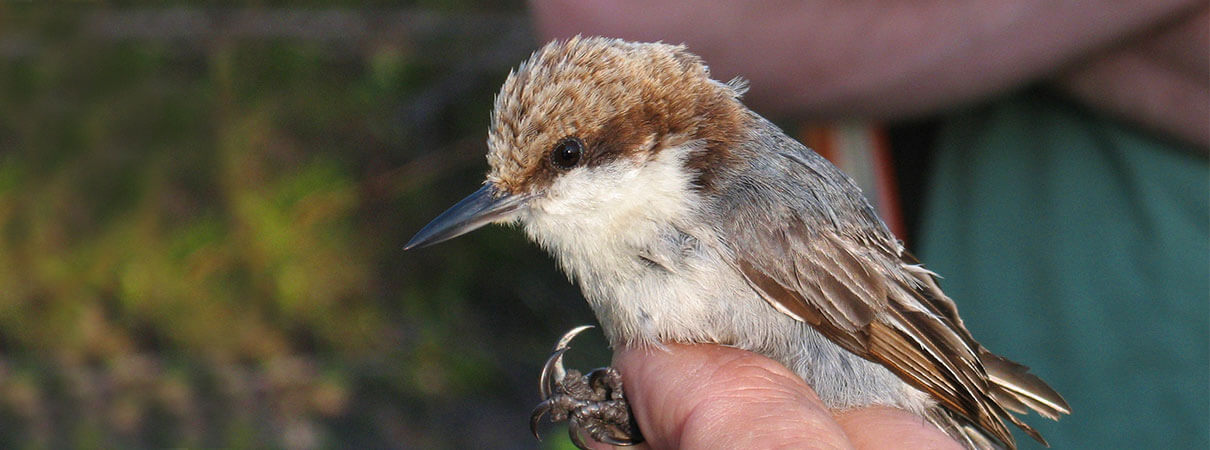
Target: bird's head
<point x="596" y="135"/>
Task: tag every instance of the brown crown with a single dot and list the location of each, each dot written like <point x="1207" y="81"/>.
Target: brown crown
<point x="622" y="99"/>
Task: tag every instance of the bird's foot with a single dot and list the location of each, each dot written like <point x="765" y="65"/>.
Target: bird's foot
<point x="593" y="404"/>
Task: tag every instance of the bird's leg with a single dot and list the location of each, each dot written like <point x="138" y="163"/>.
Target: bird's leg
<point x="592" y="404"/>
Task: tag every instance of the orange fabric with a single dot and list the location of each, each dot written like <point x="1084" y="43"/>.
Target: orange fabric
<point x="862" y="150"/>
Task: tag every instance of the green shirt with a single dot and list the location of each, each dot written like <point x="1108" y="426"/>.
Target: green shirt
<point x="1080" y="246"/>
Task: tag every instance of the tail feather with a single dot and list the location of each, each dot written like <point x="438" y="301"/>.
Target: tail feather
<point x="1010" y="379"/>
<point x="1009" y="385"/>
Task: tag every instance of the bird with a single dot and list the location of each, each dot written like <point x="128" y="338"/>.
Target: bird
<point x="686" y="217"/>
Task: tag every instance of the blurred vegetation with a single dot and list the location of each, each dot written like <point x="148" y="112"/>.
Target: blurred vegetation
<point x="202" y="215"/>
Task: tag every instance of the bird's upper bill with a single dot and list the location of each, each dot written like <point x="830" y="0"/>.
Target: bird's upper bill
<point x="485" y="206"/>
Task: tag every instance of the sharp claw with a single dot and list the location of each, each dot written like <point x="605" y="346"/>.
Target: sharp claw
<point x="618" y="442"/>
<point x="555" y="362"/>
<point x="568" y="336"/>
<point x="553" y="373"/>
<point x="536" y="417"/>
<point x="553" y="366"/>
<point x="576" y="433"/>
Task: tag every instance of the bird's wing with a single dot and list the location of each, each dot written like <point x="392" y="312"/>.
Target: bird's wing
<point x="852" y="282"/>
<point x="830" y="282"/>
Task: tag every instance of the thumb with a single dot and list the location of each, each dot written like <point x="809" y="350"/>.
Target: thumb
<point x="710" y="396"/>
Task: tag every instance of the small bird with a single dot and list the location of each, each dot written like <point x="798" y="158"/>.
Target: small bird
<point x="686" y="217"/>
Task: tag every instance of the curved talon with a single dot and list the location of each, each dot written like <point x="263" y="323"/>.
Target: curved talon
<point x="619" y="442"/>
<point x="593" y="404"/>
<point x="536" y="416"/>
<point x="576" y="432"/>
<point x="569" y="335"/>
<point x="553" y="364"/>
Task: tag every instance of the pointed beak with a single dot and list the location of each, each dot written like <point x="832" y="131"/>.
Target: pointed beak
<point x="485" y="206"/>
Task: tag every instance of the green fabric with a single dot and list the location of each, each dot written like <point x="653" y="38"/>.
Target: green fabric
<point x="1080" y="246"/>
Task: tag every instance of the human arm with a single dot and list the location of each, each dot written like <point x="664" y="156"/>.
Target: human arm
<point x="1161" y="82"/>
<point x="877" y="59"/>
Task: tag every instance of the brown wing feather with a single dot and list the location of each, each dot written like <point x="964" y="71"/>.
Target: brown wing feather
<point x="869" y="297"/>
<point x="1011" y="383"/>
<point x="1014" y="380"/>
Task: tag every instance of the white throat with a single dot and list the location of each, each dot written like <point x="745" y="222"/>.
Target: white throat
<point x="595" y="221"/>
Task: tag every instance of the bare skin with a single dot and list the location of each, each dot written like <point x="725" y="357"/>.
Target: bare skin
<point x="1161" y="82"/>
<point x="1143" y="61"/>
<point x="710" y="396"/>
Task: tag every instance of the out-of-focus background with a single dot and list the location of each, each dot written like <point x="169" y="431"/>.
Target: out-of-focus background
<point x="202" y="214"/>
<point x="203" y="208"/>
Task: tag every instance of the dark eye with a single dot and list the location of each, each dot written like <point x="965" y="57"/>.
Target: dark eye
<point x="567" y="153"/>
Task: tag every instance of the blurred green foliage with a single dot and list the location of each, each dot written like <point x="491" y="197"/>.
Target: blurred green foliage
<point x="200" y="237"/>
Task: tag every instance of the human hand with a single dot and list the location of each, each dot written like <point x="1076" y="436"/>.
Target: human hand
<point x="710" y="396"/>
